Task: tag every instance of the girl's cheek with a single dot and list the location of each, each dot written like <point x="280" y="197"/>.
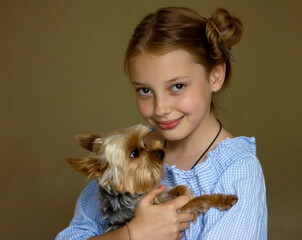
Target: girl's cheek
<point x="144" y="108"/>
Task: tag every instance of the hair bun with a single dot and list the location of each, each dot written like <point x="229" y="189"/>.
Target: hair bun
<point x="223" y="31"/>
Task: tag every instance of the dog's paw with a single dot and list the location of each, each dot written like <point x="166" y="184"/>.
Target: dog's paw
<point x="229" y="201"/>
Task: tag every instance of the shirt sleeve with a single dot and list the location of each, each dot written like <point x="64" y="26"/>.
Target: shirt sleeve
<point x="87" y="220"/>
<point x="247" y="219"/>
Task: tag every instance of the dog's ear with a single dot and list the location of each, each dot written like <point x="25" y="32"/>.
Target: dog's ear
<point x="90" y="166"/>
<point x="86" y="141"/>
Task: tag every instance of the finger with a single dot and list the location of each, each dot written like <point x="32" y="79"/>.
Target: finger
<point x="150" y="196"/>
<point x="184" y="226"/>
<point x="180" y="236"/>
<point x="181" y="201"/>
<point x="186" y="217"/>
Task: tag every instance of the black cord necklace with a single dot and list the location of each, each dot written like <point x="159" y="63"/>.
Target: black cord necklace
<point x="220" y="127"/>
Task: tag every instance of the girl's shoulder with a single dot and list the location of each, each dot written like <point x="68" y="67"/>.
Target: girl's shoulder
<point x="234" y="147"/>
<point x="232" y="151"/>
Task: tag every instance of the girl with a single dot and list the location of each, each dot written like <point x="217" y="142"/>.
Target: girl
<point x="177" y="62"/>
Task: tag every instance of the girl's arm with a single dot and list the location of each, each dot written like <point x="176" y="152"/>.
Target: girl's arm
<point x="87" y="219"/>
<point x="247" y="219"/>
<point x="150" y="221"/>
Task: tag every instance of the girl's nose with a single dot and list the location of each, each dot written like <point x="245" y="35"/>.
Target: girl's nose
<point x="162" y="106"/>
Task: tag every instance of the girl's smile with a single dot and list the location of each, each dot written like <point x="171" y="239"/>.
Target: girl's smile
<point x="167" y="125"/>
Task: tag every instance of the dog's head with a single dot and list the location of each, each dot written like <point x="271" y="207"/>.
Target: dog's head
<point x="129" y="160"/>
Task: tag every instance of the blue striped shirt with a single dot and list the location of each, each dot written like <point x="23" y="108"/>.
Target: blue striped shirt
<point x="232" y="168"/>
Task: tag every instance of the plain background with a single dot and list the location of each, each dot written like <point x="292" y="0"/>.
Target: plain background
<point x="61" y="73"/>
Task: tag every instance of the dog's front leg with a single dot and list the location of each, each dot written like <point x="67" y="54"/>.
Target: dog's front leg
<point x="172" y="193"/>
<point x="204" y="202"/>
<point x="180" y="190"/>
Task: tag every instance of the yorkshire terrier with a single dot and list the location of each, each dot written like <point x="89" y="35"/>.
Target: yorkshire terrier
<point x="128" y="164"/>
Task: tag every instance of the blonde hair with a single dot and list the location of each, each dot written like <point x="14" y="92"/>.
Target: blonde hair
<point x="209" y="41"/>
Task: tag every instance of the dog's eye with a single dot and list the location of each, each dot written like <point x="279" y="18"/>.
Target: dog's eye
<point x="135" y="153"/>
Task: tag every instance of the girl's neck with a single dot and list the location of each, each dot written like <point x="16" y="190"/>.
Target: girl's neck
<point x="185" y="152"/>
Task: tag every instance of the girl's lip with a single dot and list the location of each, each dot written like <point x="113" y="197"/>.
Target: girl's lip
<point x="167" y="125"/>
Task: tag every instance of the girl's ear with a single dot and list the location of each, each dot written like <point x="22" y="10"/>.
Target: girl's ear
<point x="217" y="77"/>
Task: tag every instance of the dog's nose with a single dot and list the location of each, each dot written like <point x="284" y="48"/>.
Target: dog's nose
<point x="160" y="154"/>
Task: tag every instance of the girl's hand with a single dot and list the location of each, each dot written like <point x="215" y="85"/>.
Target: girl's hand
<point x="159" y="221"/>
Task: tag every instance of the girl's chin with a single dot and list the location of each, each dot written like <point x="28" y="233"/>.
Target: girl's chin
<point x="171" y="136"/>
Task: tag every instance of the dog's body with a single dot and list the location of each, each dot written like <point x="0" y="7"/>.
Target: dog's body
<point x="117" y="208"/>
<point x="128" y="164"/>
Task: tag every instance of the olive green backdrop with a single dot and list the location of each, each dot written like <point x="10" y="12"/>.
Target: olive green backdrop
<point x="61" y="73"/>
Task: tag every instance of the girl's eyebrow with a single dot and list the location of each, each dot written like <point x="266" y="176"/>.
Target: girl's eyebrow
<point x="137" y="84"/>
<point x="170" y="81"/>
<point x="175" y="79"/>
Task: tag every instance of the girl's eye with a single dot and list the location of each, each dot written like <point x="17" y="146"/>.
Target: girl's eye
<point x="144" y="91"/>
<point x="178" y="87"/>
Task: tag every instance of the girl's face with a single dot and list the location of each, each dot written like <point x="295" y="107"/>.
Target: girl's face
<point x="173" y="93"/>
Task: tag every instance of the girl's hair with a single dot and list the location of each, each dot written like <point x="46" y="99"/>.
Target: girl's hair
<point x="209" y="41"/>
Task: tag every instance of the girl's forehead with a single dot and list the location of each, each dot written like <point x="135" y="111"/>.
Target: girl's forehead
<point x="166" y="66"/>
<point x="165" y="57"/>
